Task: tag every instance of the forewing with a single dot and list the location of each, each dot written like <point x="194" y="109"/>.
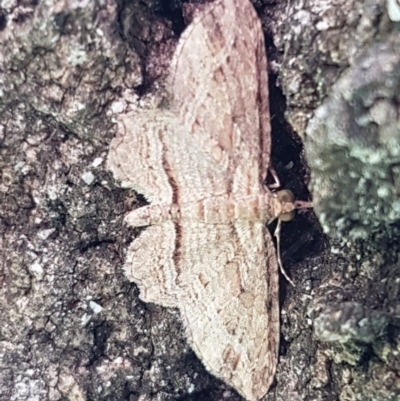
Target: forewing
<point x="219" y="86"/>
<point x="135" y="155"/>
<point x="156" y="156"/>
<point x="228" y="280"/>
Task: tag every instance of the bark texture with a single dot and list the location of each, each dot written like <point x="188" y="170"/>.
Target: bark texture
<point x="71" y="325"/>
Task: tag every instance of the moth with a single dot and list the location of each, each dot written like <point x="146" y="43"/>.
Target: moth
<point x="201" y="162"/>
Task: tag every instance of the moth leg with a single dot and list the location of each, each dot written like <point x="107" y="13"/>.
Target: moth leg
<point x="276" y="184"/>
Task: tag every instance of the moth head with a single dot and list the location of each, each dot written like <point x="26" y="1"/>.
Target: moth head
<point x="283" y="205"/>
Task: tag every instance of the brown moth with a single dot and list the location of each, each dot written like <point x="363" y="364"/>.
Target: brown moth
<point x="202" y="164"/>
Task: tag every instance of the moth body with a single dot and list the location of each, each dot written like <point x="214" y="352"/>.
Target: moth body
<point x="222" y="209"/>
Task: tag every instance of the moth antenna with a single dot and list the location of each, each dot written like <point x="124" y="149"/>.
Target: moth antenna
<point x="277" y="234"/>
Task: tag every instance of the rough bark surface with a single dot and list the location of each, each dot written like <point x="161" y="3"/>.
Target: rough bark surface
<point x="71" y="325"/>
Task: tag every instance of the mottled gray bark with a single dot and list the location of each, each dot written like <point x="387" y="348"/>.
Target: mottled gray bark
<point x="71" y="325"/>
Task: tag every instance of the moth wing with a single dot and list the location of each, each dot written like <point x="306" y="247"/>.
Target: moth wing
<point x="219" y="87"/>
<point x="154" y="155"/>
<point x="150" y="264"/>
<point x="228" y="279"/>
<point x="135" y="156"/>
